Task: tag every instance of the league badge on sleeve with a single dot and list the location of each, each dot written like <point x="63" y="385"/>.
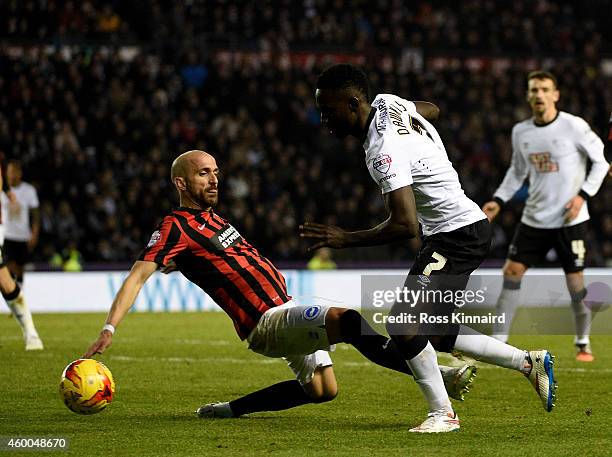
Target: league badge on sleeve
<point x="155" y="237"/>
<point x="382" y="163"/>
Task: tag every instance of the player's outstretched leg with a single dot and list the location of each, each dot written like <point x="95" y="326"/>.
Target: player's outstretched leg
<point x="280" y="396"/>
<point x="537" y="365"/>
<point x="348" y="326"/>
<point x="16" y="302"/>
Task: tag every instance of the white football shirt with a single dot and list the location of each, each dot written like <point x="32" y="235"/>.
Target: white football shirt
<point x="403" y="149"/>
<point x="16" y="218"/>
<point x="554" y="159"/>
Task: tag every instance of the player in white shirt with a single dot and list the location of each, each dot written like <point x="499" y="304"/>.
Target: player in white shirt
<point x="551" y="150"/>
<point x="11" y="291"/>
<point x="407" y="159"/>
<point x="21" y="220"/>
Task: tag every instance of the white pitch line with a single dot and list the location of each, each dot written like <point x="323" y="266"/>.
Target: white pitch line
<point x="125" y="358"/>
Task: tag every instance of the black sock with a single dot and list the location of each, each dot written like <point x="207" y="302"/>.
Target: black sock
<point x="381" y="350"/>
<point x="284" y="395"/>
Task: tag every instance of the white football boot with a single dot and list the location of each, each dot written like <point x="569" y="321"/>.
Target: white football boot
<point x="542" y="377"/>
<point x="33" y="343"/>
<point x="438" y="422"/>
<point x="220" y="409"/>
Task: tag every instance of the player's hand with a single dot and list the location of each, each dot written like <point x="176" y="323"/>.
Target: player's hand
<point x="491" y="209"/>
<point x="169" y="267"/>
<point x="104" y="341"/>
<point x="572" y="208"/>
<point x="325" y="235"/>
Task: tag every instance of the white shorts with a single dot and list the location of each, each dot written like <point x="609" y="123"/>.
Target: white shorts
<point x="297" y="334"/>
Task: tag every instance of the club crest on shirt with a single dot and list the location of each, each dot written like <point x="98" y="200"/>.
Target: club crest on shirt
<point x="311" y="312"/>
<point x="382" y="163"/>
<point x="155" y="237"/>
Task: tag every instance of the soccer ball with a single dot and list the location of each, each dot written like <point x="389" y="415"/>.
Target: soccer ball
<point x="87" y="386"/>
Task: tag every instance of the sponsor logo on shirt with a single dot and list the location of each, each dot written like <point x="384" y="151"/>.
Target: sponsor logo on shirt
<point x="228" y="236"/>
<point x="155" y="237"/>
<point x="543" y="163"/>
<point x="382" y="163"/>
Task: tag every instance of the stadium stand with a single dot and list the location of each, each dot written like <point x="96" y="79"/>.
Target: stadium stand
<point x="96" y="98"/>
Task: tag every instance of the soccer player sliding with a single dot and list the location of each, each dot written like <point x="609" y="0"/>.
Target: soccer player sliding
<point x="211" y="253"/>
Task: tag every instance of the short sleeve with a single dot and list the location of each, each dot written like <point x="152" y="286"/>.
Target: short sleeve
<point x="166" y="242"/>
<point x="390" y="164"/>
<point x="34" y="203"/>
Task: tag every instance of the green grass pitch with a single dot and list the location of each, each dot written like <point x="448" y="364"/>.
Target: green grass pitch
<point x="166" y="365"/>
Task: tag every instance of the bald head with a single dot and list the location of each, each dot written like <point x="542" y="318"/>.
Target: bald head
<point x="187" y="162"/>
<point x="195" y="176"/>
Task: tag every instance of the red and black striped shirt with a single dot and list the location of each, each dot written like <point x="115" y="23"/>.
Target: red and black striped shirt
<point x="212" y="254"/>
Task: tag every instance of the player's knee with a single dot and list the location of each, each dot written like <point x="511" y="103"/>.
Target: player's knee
<point x="323" y="393"/>
<point x="513" y="274"/>
<point x="326" y="395"/>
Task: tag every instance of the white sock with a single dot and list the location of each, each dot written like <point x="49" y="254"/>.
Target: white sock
<point x="22" y="313"/>
<point x="427" y="375"/>
<point x="582" y="322"/>
<point x="506" y="305"/>
<point x="487" y="349"/>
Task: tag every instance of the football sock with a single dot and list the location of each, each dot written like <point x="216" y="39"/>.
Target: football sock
<point x="506" y="305"/>
<point x="20" y="310"/>
<point x="490" y="350"/>
<point x="355" y="330"/>
<point x="284" y="395"/>
<point x="424" y="366"/>
<point x="582" y="318"/>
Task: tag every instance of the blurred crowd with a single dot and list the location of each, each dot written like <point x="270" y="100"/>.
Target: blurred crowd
<point x="96" y="129"/>
<point x="503" y="26"/>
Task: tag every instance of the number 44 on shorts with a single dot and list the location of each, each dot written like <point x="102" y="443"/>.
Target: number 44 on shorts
<point x="579" y="251"/>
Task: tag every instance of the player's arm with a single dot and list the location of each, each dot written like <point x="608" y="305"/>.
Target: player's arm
<point x="34" y="227"/>
<point x="590" y="144"/>
<point x="514" y="179"/>
<point x="401" y="224"/>
<point x="428" y="110"/>
<point x="139" y="274"/>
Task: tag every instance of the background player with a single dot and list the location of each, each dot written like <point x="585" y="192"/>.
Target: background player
<point x="551" y="149"/>
<point x="405" y="156"/>
<point x="10" y="289"/>
<point x="21" y="220"/>
<point x="211" y="253"/>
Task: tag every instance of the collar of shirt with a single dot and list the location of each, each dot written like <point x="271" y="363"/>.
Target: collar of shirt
<point x="364" y="134"/>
